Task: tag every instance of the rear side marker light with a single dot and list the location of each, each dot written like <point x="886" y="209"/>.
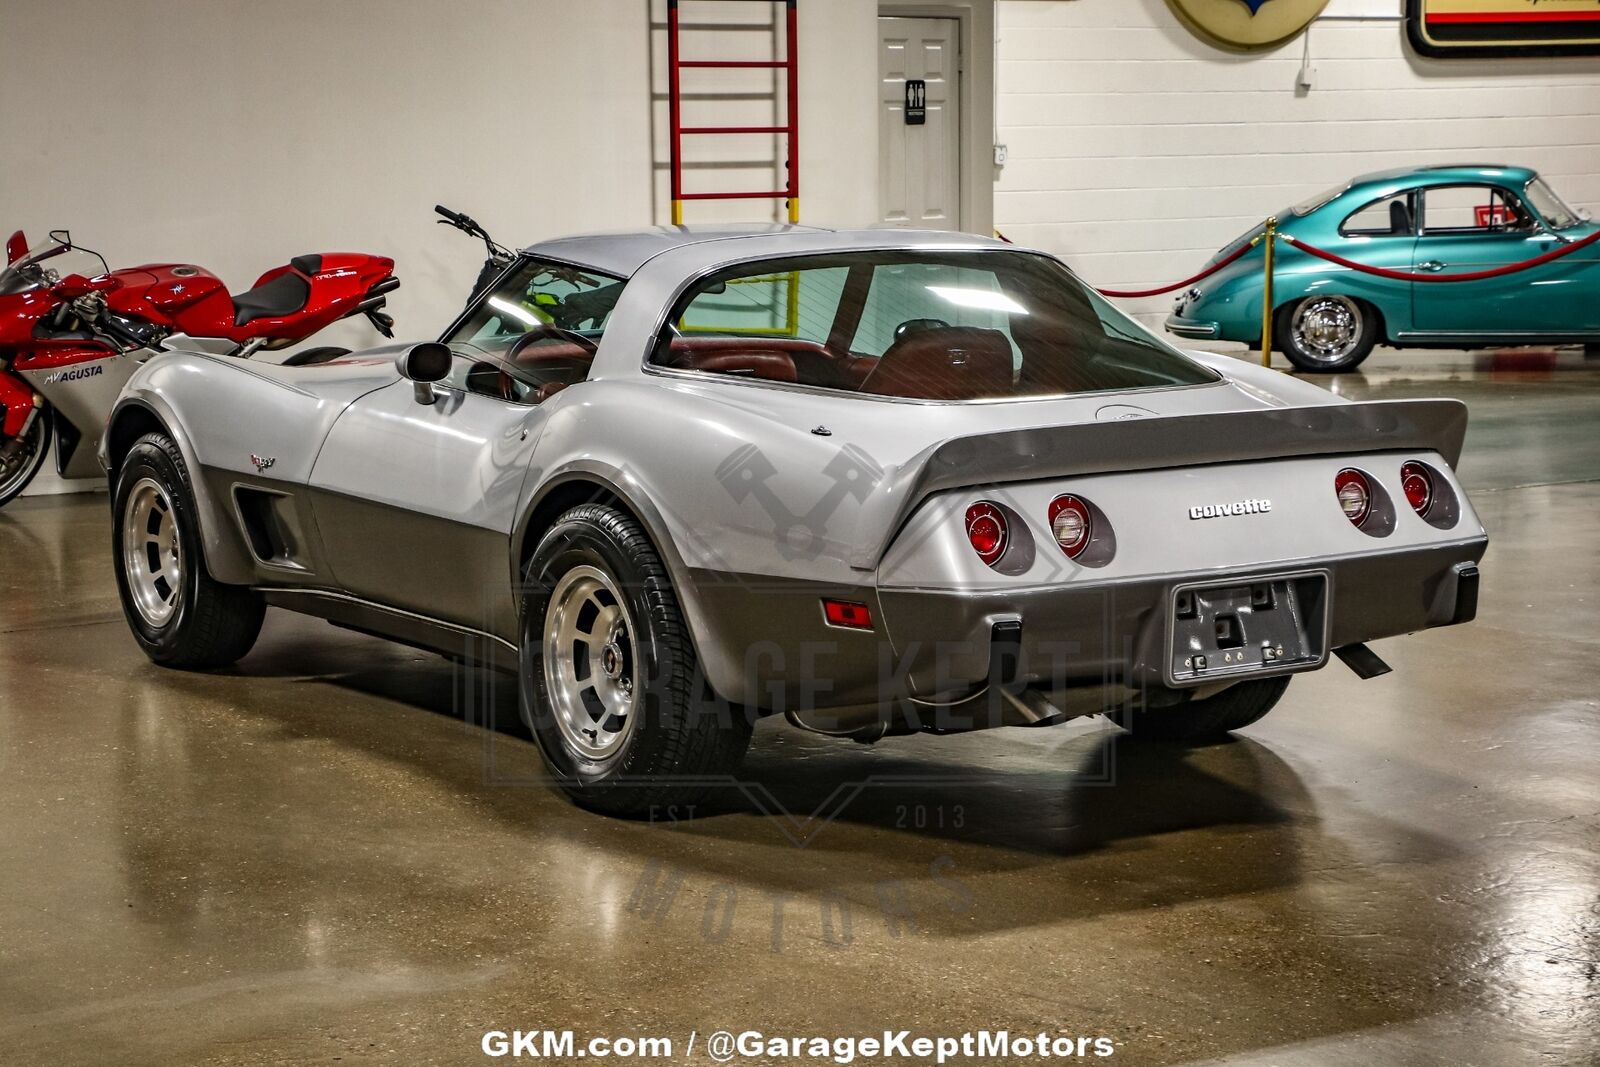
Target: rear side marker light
<point x="1418" y="486"/>
<point x="987" y="531"/>
<point x="847" y="614"/>
<point x="1355" y="495"/>
<point x="1072" y="524"/>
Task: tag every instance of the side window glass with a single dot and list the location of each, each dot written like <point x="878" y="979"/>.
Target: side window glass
<point x="1473" y="209"/>
<point x="1389" y="217"/>
<point x="799" y="304"/>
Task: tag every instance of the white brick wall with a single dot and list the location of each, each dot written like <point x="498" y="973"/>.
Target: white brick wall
<point x="1137" y="150"/>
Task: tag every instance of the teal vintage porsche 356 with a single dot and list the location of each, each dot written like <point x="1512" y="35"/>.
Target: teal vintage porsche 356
<point x="1438" y="221"/>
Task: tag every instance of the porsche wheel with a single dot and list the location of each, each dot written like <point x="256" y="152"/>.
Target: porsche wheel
<point x="609" y="680"/>
<point x="1326" y="334"/>
<point x="1197" y="720"/>
<point x="180" y="616"/>
<point x="23" y="461"/>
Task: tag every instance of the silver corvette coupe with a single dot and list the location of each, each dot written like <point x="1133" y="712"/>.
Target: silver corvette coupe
<point x="876" y="481"/>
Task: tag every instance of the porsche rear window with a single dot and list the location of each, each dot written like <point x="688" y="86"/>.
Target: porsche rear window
<point x="986" y="325"/>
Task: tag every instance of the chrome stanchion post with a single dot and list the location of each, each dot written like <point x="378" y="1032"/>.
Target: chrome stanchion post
<point x="1266" y="294"/>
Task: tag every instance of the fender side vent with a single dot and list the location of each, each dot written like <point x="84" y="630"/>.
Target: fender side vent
<point x="270" y="526"/>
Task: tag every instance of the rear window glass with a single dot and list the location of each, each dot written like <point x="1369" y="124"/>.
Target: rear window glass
<point x="922" y="326"/>
<point x="1389" y="217"/>
<point x="1321" y="200"/>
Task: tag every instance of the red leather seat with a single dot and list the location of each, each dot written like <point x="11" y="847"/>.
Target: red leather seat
<point x="745" y="357"/>
<point x="951" y="363"/>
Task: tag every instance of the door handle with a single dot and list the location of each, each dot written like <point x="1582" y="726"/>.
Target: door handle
<point x="1431" y="266"/>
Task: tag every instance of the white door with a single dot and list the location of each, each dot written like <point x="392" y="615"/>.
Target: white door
<point x="919" y="166"/>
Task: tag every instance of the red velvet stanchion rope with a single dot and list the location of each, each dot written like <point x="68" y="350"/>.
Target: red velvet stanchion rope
<point x="1175" y="286"/>
<point x="1466" y="276"/>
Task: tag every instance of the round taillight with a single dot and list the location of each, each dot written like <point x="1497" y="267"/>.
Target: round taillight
<point x="1072" y="524"/>
<point x="987" y="530"/>
<point x="1355" y="494"/>
<point x="1418" y="485"/>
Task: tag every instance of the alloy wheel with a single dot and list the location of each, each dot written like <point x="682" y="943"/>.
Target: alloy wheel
<point x="24" y="465"/>
<point x="590" y="664"/>
<point x="152" y="552"/>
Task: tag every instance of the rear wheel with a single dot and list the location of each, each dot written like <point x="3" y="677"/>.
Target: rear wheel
<point x="610" y="686"/>
<point x="179" y="615"/>
<point x="1327" y="333"/>
<point x="19" y="464"/>
<point x="1232" y="709"/>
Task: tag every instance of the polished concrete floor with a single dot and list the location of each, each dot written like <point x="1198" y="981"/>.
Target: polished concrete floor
<point x="323" y="856"/>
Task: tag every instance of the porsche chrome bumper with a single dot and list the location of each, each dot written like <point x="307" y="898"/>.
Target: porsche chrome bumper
<point x="1193" y="328"/>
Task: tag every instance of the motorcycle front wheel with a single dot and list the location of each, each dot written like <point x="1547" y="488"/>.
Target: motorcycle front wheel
<point x="24" y="463"/>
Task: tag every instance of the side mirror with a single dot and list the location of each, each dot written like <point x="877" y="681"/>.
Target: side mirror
<point x="16" y="247"/>
<point x="425" y="364"/>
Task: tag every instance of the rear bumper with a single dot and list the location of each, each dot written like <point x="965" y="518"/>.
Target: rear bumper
<point x="767" y="645"/>
<point x="1089" y="634"/>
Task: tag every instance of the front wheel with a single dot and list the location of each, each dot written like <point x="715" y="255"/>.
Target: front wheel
<point x="180" y="616"/>
<point x="1213" y="717"/>
<point x="609" y="679"/>
<point x="1326" y="334"/>
<point x="21" y="457"/>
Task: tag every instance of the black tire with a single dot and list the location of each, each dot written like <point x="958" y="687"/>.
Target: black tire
<point x="1339" y="357"/>
<point x="675" y="744"/>
<point x="37" y="448"/>
<point x="308" y="357"/>
<point x="1197" y="720"/>
<point x="209" y="624"/>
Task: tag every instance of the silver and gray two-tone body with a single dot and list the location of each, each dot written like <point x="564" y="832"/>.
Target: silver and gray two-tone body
<point x="337" y="492"/>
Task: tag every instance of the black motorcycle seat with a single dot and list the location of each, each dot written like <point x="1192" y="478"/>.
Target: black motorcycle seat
<point x="283" y="295"/>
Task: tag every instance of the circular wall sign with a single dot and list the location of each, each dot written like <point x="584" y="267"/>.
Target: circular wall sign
<point x="1247" y="24"/>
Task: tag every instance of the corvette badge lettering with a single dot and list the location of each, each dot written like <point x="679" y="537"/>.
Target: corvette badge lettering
<point x="1222" y="511"/>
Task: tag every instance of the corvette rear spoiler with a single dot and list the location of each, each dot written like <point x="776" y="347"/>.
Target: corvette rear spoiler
<point x="1157" y="442"/>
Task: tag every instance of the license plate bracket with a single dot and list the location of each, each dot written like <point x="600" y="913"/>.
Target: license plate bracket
<point x="1273" y="624"/>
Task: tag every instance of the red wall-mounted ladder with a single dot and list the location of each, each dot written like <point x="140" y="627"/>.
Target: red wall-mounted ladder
<point x="791" y="128"/>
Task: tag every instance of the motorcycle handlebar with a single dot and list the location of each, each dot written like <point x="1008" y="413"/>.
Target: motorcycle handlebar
<point x="456" y="218"/>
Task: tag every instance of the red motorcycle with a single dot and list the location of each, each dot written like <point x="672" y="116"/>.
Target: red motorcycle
<point x="68" y="343"/>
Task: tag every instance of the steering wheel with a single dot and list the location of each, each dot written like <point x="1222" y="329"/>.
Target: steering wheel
<point x="546" y="332"/>
<point x="918" y="325"/>
<point x="511" y="389"/>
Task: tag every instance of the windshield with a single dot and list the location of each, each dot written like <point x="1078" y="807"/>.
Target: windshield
<point x="988" y="325"/>
<point x="27" y="272"/>
<point x="539" y="292"/>
<point x="1555" y="210"/>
